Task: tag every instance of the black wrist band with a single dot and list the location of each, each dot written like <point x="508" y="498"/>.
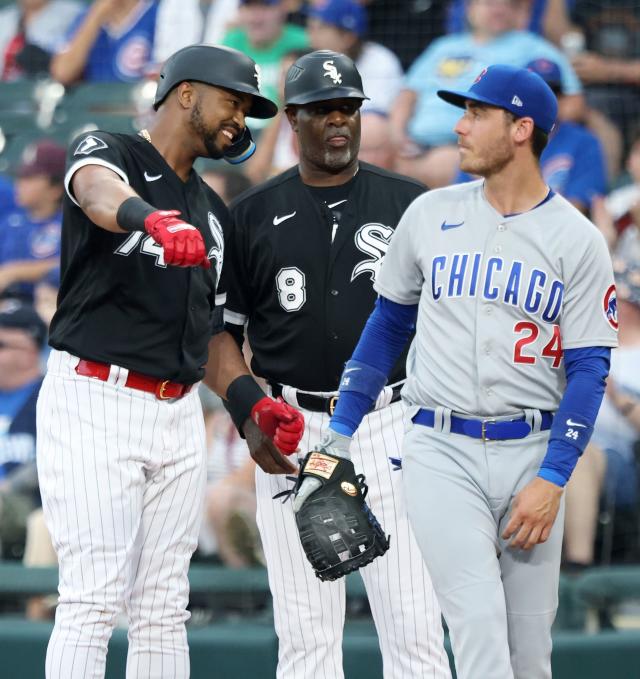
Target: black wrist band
<point x="242" y="394"/>
<point x="132" y="213"/>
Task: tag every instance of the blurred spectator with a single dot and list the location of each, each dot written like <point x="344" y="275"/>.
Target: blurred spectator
<point x="7" y="195"/>
<point x="616" y="433"/>
<point x="30" y="234"/>
<point x="265" y="36"/>
<point x="277" y="149"/>
<point x="217" y="18"/>
<point x="572" y="163"/>
<point x="606" y="57"/>
<point x="22" y="336"/>
<point x="406" y="27"/>
<point x="30" y="32"/>
<point x="340" y="25"/>
<point x="115" y="40"/>
<point x="531" y="16"/>
<point x="375" y="141"/>
<point x="423" y="124"/>
<point x="228" y="184"/>
<point x="618" y="216"/>
<point x="45" y="295"/>
<point x="229" y="529"/>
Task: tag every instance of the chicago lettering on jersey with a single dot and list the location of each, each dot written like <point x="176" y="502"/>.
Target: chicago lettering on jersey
<point x="465" y="274"/>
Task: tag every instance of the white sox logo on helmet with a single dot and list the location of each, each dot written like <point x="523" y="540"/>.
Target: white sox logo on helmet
<point x="332" y="72"/>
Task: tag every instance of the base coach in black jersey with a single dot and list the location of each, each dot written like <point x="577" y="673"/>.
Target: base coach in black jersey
<point x="121" y="444"/>
<point x="305" y="249"/>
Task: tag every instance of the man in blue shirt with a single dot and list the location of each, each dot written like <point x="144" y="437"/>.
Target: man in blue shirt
<point x="22" y="336"/>
<point x="115" y="41"/>
<point x="573" y="162"/>
<point x="423" y="124"/>
<point x="30" y="233"/>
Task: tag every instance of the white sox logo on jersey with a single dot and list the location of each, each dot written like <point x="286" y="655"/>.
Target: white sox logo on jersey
<point x="467" y="275"/>
<point x="373" y="239"/>
<point x="216" y="252"/>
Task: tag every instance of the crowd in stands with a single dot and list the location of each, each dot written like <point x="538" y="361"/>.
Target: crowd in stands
<point x="588" y="51"/>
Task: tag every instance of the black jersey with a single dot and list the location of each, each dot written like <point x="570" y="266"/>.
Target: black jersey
<point x="300" y="270"/>
<point x="119" y="302"/>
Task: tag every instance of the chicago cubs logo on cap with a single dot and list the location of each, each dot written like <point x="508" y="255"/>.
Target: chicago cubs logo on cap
<point x="480" y="76"/>
<point x="610" y="307"/>
<point x="518" y="90"/>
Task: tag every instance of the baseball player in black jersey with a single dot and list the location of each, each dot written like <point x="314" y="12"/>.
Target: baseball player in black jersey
<point x="305" y="249"/>
<point x="121" y="447"/>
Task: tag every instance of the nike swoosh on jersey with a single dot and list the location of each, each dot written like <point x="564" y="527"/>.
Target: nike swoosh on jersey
<point x="150" y="178"/>
<point x="571" y="423"/>
<point x="332" y="205"/>
<point x="279" y="220"/>
<point x="444" y="226"/>
<point x="350" y="370"/>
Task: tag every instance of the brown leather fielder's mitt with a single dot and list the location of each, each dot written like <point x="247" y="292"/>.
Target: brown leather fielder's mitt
<point x="338" y="531"/>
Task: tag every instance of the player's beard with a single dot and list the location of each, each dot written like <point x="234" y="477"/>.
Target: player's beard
<point x="336" y="159"/>
<point x="206" y="133"/>
<point x="491" y="160"/>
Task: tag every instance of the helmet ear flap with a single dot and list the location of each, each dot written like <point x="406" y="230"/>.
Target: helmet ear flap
<point x="242" y="149"/>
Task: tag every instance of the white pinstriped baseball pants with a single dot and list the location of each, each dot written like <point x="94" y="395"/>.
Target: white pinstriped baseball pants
<point x="309" y="614"/>
<point x="122" y="479"/>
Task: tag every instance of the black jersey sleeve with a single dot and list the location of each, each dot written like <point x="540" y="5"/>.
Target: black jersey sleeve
<point x="95" y="148"/>
<point x="235" y="275"/>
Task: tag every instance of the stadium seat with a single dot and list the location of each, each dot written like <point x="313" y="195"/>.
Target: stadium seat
<point x="601" y="589"/>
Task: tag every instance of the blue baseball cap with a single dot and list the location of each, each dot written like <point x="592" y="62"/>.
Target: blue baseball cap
<point x="548" y="70"/>
<point x="518" y="90"/>
<point x="345" y="14"/>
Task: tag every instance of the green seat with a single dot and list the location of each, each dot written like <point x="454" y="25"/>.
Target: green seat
<point x="600" y="589"/>
<point x="19" y="96"/>
<point x="102" y="98"/>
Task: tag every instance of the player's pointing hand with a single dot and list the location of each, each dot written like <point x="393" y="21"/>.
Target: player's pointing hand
<point x="534" y="510"/>
<point x="182" y="243"/>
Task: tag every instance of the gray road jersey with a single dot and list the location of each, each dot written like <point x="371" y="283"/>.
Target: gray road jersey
<point x="499" y="298"/>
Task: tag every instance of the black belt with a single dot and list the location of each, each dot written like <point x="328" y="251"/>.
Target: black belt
<point x="324" y="404"/>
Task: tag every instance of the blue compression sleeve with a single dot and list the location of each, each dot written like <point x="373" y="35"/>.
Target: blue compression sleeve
<point x="572" y="427"/>
<point x="382" y="341"/>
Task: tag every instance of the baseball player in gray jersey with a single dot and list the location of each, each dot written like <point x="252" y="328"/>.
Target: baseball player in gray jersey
<point x="511" y="292"/>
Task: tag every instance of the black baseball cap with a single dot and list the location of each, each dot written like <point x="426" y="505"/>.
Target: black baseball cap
<point x="23" y="317"/>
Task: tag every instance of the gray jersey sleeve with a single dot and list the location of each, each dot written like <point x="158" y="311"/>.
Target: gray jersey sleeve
<point x="589" y="316"/>
<point x="400" y="278"/>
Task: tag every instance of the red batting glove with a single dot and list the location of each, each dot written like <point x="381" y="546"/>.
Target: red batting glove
<point x="282" y="423"/>
<point x="182" y="243"/>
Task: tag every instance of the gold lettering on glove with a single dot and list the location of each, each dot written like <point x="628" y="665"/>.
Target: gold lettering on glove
<point x="320" y="465"/>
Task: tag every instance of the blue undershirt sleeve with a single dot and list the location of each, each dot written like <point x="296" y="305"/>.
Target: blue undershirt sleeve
<point x="586" y="369"/>
<point x="384" y="337"/>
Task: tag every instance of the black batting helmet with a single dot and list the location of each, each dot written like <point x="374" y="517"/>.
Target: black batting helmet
<point x="322" y="75"/>
<point x="218" y="66"/>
